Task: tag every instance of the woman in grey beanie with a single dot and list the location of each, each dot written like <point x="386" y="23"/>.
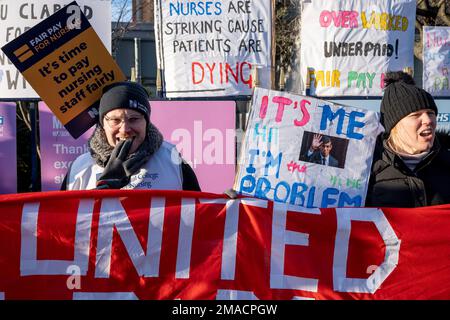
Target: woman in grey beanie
<point x="411" y="166"/>
<point x="126" y="151"/>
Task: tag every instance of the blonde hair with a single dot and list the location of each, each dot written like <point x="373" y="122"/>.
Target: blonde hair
<point x="398" y="141"/>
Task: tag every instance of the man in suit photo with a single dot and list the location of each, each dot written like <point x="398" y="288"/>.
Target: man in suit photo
<point x="319" y="151"/>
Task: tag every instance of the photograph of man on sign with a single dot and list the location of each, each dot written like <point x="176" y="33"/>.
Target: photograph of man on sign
<point x="323" y="149"/>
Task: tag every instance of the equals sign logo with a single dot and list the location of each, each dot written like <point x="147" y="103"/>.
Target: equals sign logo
<point x="23" y="53"/>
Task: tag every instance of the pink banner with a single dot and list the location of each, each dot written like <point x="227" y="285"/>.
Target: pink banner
<point x="8" y="159"/>
<point x="58" y="149"/>
<point x="203" y="131"/>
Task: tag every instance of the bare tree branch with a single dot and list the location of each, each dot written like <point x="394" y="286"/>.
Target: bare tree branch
<point x="418" y="45"/>
<point x="429" y="13"/>
<point x="124" y="19"/>
<point x="287" y="29"/>
<point x="442" y="13"/>
<point x="25" y="115"/>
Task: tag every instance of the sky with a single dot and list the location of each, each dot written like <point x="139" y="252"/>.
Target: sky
<point x="117" y="6"/>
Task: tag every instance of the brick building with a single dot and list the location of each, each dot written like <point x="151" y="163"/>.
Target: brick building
<point x="142" y="11"/>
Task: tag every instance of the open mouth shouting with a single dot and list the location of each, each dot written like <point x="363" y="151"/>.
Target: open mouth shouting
<point x="427" y="133"/>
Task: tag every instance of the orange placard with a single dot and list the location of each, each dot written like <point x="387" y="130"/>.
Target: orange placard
<point x="81" y="68"/>
<point x="67" y="64"/>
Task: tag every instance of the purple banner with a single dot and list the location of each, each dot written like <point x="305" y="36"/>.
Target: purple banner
<point x="8" y="150"/>
<point x="204" y="133"/>
<point x="58" y="149"/>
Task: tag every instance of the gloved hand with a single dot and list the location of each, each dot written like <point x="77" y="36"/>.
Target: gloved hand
<point x="117" y="173"/>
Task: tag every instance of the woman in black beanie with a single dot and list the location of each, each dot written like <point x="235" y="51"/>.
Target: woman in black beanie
<point x="126" y="151"/>
<point x="411" y="166"/>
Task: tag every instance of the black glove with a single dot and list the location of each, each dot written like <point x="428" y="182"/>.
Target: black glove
<point x="116" y="174"/>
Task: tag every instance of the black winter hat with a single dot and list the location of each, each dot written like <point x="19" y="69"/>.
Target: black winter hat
<point x="402" y="97"/>
<point x="127" y="95"/>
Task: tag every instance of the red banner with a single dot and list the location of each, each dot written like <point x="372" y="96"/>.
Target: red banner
<point x="185" y="245"/>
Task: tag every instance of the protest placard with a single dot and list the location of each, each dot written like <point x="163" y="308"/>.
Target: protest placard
<point x="307" y="152"/>
<point x="348" y="45"/>
<point x="18" y="16"/>
<point x="209" y="48"/>
<point x="67" y="64"/>
<point x="436" y="60"/>
<point x="8" y="156"/>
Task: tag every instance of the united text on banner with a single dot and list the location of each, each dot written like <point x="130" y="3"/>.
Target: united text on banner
<point x="187" y="245"/>
<point x="18" y="16"/>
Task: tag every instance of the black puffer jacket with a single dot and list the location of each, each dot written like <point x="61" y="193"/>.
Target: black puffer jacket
<point x="393" y="184"/>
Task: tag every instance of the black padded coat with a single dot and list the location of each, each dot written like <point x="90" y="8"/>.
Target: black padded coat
<point x="393" y="184"/>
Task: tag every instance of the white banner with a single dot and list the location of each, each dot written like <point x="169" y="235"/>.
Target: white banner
<point x="210" y="48"/>
<point x="17" y="16"/>
<point x="348" y="45"/>
<point x="436" y="60"/>
<point x="305" y="151"/>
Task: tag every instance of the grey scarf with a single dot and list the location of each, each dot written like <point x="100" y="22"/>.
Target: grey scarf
<point x="101" y="150"/>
